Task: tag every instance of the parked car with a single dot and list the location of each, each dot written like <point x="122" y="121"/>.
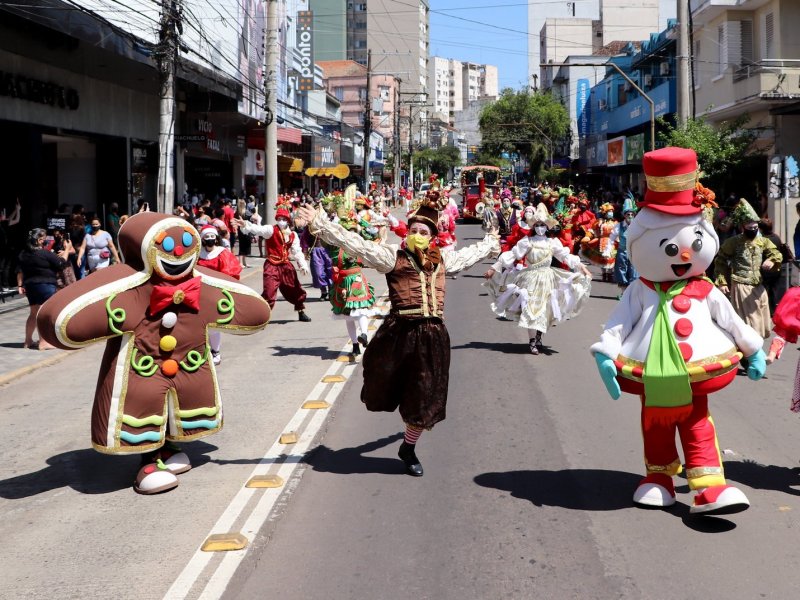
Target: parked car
<point x="423" y="189"/>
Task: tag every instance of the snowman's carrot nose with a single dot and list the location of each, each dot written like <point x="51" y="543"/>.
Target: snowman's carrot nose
<point x="685" y="256"/>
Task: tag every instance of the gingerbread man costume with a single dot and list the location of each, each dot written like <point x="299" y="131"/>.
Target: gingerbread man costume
<point x="157" y="383"/>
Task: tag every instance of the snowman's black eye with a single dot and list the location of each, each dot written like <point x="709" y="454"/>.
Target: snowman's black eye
<point x="697" y="245"/>
<point x="671" y="250"/>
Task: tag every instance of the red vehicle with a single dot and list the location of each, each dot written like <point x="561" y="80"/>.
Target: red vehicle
<point x="475" y="181"/>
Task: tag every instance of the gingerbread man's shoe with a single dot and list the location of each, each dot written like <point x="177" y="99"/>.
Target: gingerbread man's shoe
<point x="177" y="462"/>
<point x="154" y="478"/>
<point x="719" y="500"/>
<point x="655" y="491"/>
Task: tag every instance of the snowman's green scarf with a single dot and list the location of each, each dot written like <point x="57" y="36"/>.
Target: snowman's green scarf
<point x="666" y="378"/>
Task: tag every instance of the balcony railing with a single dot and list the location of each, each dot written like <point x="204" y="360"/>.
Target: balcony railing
<point x="770" y="65"/>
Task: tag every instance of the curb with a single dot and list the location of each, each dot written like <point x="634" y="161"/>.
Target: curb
<point x="7" y="378"/>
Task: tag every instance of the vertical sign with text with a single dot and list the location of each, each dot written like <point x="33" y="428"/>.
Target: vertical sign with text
<point x="582" y="109"/>
<point x="305" y="45"/>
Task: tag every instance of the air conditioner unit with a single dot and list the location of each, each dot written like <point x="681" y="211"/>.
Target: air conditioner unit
<point x="628" y="86"/>
<point x="664" y="68"/>
<point x="603" y="104"/>
<point x="648" y="80"/>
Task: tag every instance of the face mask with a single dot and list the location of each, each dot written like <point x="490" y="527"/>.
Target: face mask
<point x="540" y="229"/>
<point x="209" y="243"/>
<point x="506" y="204"/>
<point x="609" y="215"/>
<point x="415" y="240"/>
<point x="95" y="227"/>
<point x="283" y="224"/>
<point x="750" y="234"/>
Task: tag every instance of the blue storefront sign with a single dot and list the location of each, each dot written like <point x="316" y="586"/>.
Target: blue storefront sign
<point x="583" y="107"/>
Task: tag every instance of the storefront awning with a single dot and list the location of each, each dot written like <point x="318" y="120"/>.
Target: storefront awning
<point x="290" y="135"/>
<point x="340" y="171"/>
<point x="288" y="164"/>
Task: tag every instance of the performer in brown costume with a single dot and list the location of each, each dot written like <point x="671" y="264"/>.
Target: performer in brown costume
<point x="407" y="363"/>
<point x="157" y="382"/>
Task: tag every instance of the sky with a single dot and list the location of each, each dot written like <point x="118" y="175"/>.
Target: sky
<point x="487" y="41"/>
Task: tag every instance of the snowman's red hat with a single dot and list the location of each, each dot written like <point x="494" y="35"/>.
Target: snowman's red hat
<point x="671" y="178"/>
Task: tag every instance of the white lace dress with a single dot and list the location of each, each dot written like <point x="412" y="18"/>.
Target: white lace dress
<point x="537" y="295"/>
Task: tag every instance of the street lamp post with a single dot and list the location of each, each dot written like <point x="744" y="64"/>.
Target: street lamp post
<point x="629" y="80"/>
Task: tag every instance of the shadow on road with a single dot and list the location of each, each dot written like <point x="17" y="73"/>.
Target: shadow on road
<point x="764" y="477"/>
<point x="590" y="490"/>
<point x="504" y="347"/>
<point x="323" y="352"/>
<point x="88" y="472"/>
<point x="349" y="461"/>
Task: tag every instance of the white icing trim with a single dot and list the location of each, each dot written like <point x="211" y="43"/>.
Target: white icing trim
<point x="120" y="371"/>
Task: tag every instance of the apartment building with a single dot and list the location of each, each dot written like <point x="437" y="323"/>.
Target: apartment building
<point x="453" y="84"/>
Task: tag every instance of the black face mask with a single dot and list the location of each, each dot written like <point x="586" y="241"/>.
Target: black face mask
<point x="209" y="243"/>
<point x="750" y="234"/>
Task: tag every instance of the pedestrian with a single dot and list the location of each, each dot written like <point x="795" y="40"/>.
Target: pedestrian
<point x="771" y="277"/>
<point x="61" y="242"/>
<point x="112" y="221"/>
<point x="538" y="296"/>
<point x="77" y="235"/>
<point x="406" y="365"/>
<point x="624" y="271"/>
<point x="739" y="265"/>
<point x="244" y="239"/>
<point x="7" y="258"/>
<point x="97" y="248"/>
<point x="37" y="272"/>
<point x="282" y="247"/>
<point x="214" y="256"/>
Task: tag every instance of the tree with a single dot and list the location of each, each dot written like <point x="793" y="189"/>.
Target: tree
<point x="719" y="150"/>
<point x="437" y="160"/>
<point x="525" y="123"/>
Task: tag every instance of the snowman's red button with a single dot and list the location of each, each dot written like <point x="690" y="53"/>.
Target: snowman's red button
<point x="686" y="351"/>
<point x="681" y="303"/>
<point x="683" y="327"/>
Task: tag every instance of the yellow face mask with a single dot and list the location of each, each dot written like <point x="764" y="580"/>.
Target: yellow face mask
<point x="415" y="240"/>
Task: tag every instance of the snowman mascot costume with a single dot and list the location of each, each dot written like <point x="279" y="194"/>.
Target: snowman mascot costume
<point x="674" y="338"/>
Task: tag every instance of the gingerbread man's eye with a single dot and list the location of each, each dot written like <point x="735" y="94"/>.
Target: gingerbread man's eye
<point x="187" y="239"/>
<point x="168" y="244"/>
<point x="671" y="250"/>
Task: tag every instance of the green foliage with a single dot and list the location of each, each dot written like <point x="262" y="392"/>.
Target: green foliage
<point x="522" y="122"/>
<point x="437" y="160"/>
<point x="719" y="150"/>
<point x="487" y="158"/>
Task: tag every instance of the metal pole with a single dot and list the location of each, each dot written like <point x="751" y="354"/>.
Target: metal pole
<point x="397" y="148"/>
<point x="165" y="197"/>
<point x="683" y="62"/>
<point x="271" y="134"/>
<point x="786" y="218"/>
<point x="367" y="124"/>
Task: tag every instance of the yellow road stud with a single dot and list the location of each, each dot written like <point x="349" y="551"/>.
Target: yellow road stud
<point x="265" y="481"/>
<point x="223" y="542"/>
<point x="316" y="405"/>
<point x="333" y="379"/>
<point x="290" y="437"/>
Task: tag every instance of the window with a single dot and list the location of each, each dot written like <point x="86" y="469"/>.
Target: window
<point x="722" y="48"/>
<point x="384" y="92"/>
<point x="695" y="63"/>
<point x="768" y="38"/>
<point x="362" y="93"/>
<point x="736" y="44"/>
<point x="338" y="93"/>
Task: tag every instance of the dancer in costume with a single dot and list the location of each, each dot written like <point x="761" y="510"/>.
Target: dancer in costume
<point x="596" y="244"/>
<point x="538" y="296"/>
<point x="406" y="364"/>
<point x="674" y="338"/>
<point x="214" y="256"/>
<point x="156" y="381"/>
<point x="283" y="246"/>
<point x="581" y="220"/>
<point x="624" y="271"/>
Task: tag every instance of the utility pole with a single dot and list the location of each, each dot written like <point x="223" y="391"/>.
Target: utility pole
<point x="167" y="52"/>
<point x="397" y="148"/>
<point x="683" y="62"/>
<point x="411" y="148"/>
<point x="271" y="123"/>
<point x="367" y="122"/>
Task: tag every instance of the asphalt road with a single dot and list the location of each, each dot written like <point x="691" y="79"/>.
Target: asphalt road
<point x="527" y="487"/>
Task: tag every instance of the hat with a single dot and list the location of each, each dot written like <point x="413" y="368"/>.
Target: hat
<point x="744" y="213"/>
<point x="606" y="207"/>
<point x="541" y="215"/>
<point x="283" y="213"/>
<point x="629" y="205"/>
<point x="208" y="232"/>
<point x="427" y="212"/>
<point x="283" y="207"/>
<point x="671" y="177"/>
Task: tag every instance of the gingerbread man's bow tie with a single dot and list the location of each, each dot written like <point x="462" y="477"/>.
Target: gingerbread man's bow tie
<point x="186" y="293"/>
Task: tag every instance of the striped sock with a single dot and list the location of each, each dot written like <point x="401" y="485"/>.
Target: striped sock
<point x="412" y="434"/>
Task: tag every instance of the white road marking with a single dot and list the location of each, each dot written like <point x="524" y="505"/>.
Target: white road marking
<point x="222" y="575"/>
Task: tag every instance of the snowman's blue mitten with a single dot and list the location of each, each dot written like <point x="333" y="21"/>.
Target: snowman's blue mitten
<point x="608" y="373"/>
<point x="756" y="365"/>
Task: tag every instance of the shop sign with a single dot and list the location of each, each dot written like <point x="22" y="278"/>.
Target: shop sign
<point x="596" y="154"/>
<point x="35" y="90"/>
<point x="325" y="153"/>
<point x="208" y="136"/>
<point x="305" y="46"/>
<point x="634" y="148"/>
<point x="637" y="111"/>
<point x="616" y="152"/>
<point x="583" y="107"/>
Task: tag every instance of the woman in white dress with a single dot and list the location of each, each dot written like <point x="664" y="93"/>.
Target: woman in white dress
<point x="526" y="288"/>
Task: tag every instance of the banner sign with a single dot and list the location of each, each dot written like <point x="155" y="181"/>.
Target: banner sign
<point x="324" y="153"/>
<point x="634" y="148"/>
<point x="583" y="108"/>
<point x="305" y="45"/>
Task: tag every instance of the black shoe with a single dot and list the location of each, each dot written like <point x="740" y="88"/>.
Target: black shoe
<point x="356" y="349"/>
<point x="323" y="296"/>
<point x="362" y="339"/>
<point x="302" y="316"/>
<point x="409" y="458"/>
